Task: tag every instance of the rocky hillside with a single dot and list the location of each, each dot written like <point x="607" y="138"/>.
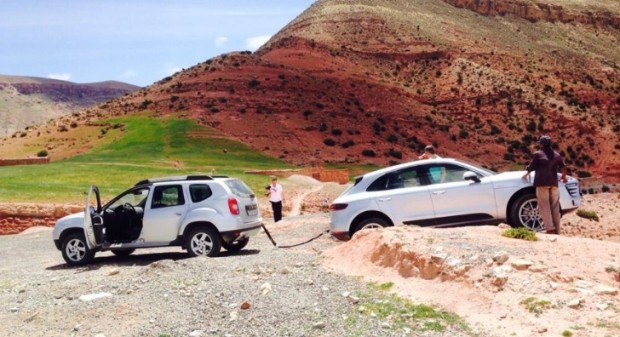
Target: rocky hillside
<point x="30" y="101"/>
<point x="375" y="81"/>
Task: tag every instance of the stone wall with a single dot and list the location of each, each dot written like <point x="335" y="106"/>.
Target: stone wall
<point x="24" y="161"/>
<point x="321" y="174"/>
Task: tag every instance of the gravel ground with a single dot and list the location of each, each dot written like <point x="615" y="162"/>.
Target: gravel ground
<point x="261" y="291"/>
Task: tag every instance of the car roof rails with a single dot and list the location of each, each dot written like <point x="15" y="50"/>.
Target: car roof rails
<point x="173" y="178"/>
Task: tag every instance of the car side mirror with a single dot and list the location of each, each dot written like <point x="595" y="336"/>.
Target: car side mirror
<point x="469" y="175"/>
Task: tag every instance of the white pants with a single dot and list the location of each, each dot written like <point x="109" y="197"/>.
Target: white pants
<point x="549" y="206"/>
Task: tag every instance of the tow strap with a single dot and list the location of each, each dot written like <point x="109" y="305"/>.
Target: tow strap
<point x="295" y="245"/>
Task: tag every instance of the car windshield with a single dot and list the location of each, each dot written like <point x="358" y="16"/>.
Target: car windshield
<point x="135" y="198"/>
<point x="239" y="188"/>
<point x="480" y="168"/>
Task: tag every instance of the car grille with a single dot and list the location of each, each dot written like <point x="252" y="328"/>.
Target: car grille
<point x="573" y="189"/>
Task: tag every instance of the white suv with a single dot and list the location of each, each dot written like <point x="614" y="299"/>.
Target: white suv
<point x="197" y="212"/>
<point x="441" y="192"/>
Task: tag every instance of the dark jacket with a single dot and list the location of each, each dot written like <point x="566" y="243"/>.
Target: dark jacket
<point x="546" y="163"/>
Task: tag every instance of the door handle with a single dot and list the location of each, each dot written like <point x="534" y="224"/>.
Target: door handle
<point x="385" y="199"/>
<point x="439" y="192"/>
<point x="177" y="213"/>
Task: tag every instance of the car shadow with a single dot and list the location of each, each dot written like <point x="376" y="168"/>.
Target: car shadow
<point x="142" y="259"/>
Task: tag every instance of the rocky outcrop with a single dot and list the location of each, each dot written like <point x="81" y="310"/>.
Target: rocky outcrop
<point x="82" y="95"/>
<point x="538" y="11"/>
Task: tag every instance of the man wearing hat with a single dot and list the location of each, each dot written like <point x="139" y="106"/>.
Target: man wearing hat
<point x="546" y="163"/>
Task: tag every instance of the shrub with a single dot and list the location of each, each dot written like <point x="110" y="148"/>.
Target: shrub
<point x="587" y="214"/>
<point x="329" y="142"/>
<point x="253" y="83"/>
<point x="336" y="132"/>
<point x="395" y="154"/>
<point x="73" y="124"/>
<point x="536" y="306"/>
<point x="145" y="104"/>
<point x="348" y="143"/>
<point x="520" y="233"/>
<point x="368" y="153"/>
<point x="605" y="189"/>
<point x="42" y="153"/>
<point x="583" y="174"/>
<point x="392" y="138"/>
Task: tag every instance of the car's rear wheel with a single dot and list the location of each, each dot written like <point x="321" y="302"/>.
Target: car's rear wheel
<point x="236" y="246"/>
<point x="524" y="213"/>
<point x="370" y="223"/>
<point x="122" y="252"/>
<point x="75" y="250"/>
<point x="203" y="241"/>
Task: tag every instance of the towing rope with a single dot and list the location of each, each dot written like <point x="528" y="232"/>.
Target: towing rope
<point x="295" y="245"/>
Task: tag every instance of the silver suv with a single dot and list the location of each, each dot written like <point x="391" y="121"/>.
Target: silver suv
<point x="197" y="212"/>
<point x="441" y="192"/>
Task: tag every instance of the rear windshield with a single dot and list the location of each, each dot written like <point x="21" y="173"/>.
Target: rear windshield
<point x="239" y="188"/>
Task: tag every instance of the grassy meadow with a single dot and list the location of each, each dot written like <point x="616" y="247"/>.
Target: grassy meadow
<point x="148" y="147"/>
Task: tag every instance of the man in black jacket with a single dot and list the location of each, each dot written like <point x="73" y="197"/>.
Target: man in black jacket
<point x="545" y="163"/>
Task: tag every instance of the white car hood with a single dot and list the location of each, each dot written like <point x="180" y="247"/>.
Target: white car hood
<point x="75" y="220"/>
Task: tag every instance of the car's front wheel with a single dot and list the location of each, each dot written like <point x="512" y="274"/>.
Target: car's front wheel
<point x="370" y="223"/>
<point x="203" y="241"/>
<point x="524" y="213"/>
<point x="75" y="250"/>
<point x="236" y="246"/>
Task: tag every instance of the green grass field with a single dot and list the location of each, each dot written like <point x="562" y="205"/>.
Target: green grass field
<point x="149" y="147"/>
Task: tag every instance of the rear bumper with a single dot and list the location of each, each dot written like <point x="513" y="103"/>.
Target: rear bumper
<point x="247" y="232"/>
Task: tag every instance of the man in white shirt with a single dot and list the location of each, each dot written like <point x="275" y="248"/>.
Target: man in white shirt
<point x="429" y="153"/>
<point x="275" y="197"/>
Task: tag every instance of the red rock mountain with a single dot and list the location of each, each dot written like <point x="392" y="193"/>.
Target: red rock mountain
<point x="375" y="81"/>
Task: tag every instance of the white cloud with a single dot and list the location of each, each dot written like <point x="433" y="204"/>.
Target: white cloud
<point x="221" y="41"/>
<point x="62" y="77"/>
<point x="253" y="43"/>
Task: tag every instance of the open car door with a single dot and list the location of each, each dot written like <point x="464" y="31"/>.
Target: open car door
<point x="89" y="213"/>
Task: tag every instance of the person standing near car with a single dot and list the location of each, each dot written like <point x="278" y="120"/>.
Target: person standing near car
<point x="546" y="163"/>
<point x="429" y="153"/>
<point x="276" y="197"/>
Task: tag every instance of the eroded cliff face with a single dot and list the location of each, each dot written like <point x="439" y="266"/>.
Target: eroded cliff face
<point x="535" y="11"/>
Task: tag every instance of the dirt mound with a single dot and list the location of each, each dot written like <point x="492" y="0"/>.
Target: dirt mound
<point x="503" y="286"/>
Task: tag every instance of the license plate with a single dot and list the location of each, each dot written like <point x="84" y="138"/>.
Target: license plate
<point x="251" y="210"/>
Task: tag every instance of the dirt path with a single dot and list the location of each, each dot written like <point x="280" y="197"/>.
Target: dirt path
<point x="298" y="200"/>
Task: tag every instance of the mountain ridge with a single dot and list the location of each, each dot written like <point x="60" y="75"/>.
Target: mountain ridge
<point x="376" y="81"/>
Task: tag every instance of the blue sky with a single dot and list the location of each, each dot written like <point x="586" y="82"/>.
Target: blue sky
<point x="133" y="41"/>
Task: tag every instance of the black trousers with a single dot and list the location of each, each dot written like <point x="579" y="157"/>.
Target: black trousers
<point x="276" y="206"/>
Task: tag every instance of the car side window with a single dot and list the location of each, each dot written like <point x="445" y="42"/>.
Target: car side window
<point x="166" y="196"/>
<point x="445" y="173"/>
<point x="200" y="192"/>
<point x="394" y="180"/>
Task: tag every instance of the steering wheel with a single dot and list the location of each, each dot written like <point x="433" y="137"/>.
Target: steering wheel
<point x="128" y="208"/>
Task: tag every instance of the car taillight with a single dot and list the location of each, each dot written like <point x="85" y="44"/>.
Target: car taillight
<point x="337" y="207"/>
<point x="233" y="206"/>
